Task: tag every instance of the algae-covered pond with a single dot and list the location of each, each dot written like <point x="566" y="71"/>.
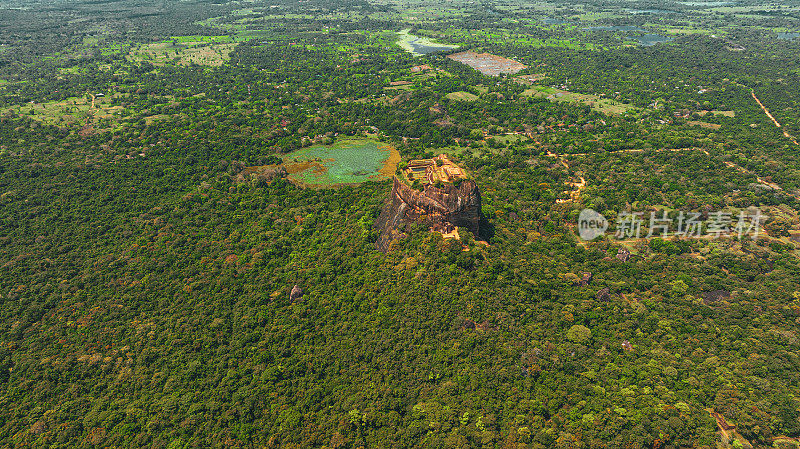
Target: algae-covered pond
<point x="345" y="162"/>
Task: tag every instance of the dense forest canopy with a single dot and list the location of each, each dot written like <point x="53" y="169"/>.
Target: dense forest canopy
<point x="151" y="236"/>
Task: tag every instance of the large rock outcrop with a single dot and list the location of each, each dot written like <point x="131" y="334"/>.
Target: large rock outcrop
<point x="442" y="208"/>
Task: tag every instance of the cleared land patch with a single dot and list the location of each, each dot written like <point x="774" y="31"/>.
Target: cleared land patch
<point x="488" y="64"/>
<point x="722" y="113"/>
<point x="703" y="124"/>
<point x="86" y="110"/>
<point x="462" y="96"/>
<point x="605" y="105"/>
<point x="184" y="50"/>
<point x="400" y="85"/>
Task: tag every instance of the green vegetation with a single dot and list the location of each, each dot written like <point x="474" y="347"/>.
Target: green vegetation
<point x="185" y="50"/>
<point x="418" y="46"/>
<point x="462" y="96"/>
<point x="597" y="103"/>
<point x="72" y="111"/>
<point x="150" y="236"/>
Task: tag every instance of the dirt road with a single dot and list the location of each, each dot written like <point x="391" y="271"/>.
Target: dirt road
<point x="777" y="124"/>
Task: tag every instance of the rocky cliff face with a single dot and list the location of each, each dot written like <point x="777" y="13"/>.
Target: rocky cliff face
<point x="442" y="208"/>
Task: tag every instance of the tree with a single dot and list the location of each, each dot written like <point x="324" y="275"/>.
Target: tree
<point x="579" y="334"/>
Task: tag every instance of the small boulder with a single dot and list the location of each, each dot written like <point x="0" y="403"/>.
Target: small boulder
<point x="296" y="293"/>
<point x="714" y="296"/>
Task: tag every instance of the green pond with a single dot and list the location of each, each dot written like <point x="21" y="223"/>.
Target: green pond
<point x="347" y="162"/>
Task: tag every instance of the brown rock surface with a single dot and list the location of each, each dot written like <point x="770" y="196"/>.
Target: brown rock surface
<point x="442" y="208"/>
<point x="296" y="293"/>
<point x="604" y="294"/>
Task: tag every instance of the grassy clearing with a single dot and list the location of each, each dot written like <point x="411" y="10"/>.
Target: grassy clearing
<point x="604" y="105"/>
<point x="69" y="70"/>
<point x="71" y="111"/>
<point x="722" y="113"/>
<point x="462" y="96"/>
<point x="703" y="124"/>
<point x="185" y="50"/>
<point x="113" y="48"/>
<point x="400" y="87"/>
<point x="457" y="151"/>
